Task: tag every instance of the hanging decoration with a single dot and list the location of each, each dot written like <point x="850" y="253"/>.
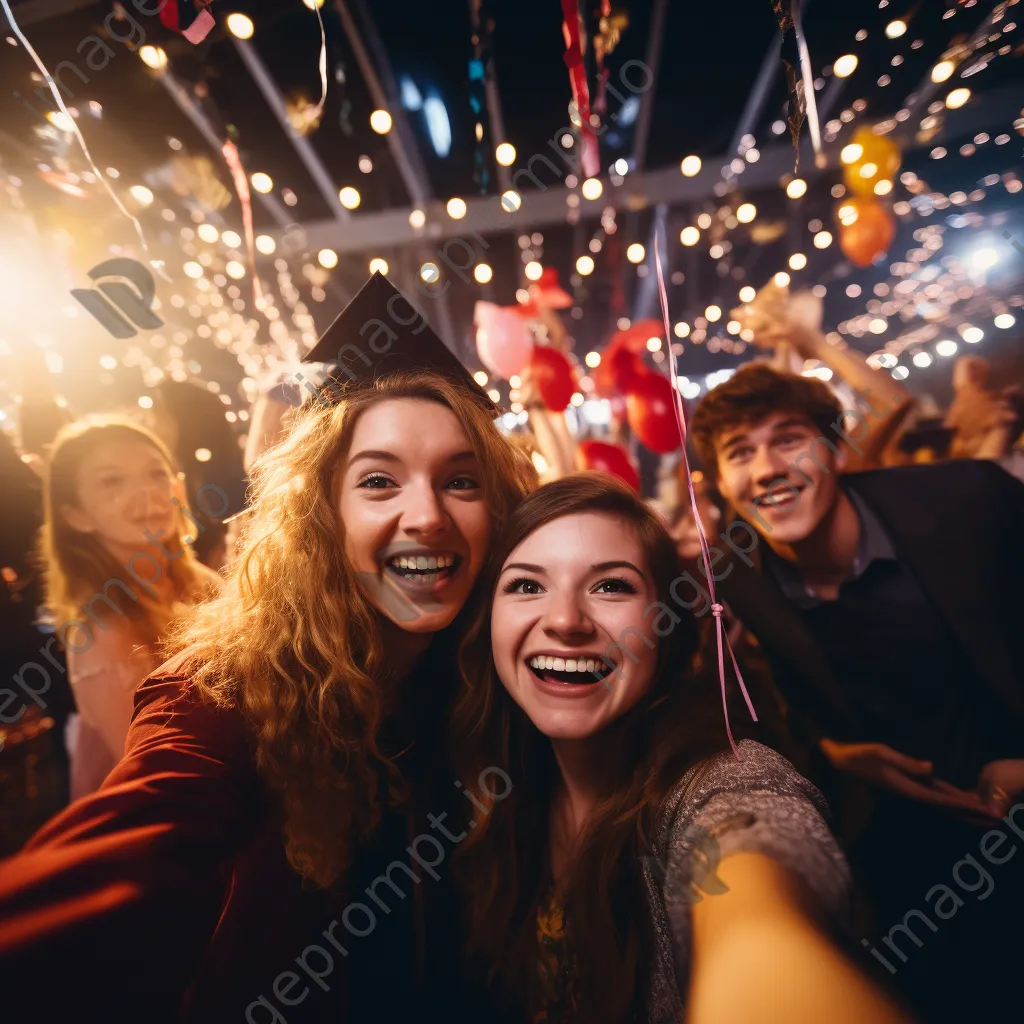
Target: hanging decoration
<point x="799" y="78"/>
<point x="157" y="265"/>
<point x="610" y="28"/>
<point x="554" y="377"/>
<point x="604" y="457"/>
<point x="866" y="230"/>
<point x="303" y="114"/>
<point x="716" y="608"/>
<point x="590" y="159"/>
<point x="234" y="162"/>
<point x="503" y="341"/>
<point x="321" y="67"/>
<point x="650" y="412"/>
<point x="189" y="18"/>
<point x="879" y="160"/>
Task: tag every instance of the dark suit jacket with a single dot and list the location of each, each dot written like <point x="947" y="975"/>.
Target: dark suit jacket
<point x="957" y="526"/>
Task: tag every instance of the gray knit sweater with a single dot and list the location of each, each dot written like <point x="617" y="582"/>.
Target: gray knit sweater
<point x="722" y="806"/>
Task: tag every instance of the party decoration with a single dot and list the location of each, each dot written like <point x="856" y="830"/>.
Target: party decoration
<point x="547" y="293"/>
<point x="189" y="18"/>
<point x="196" y="176"/>
<point x="650" y="412"/>
<point x="590" y="157"/>
<point x="635" y="337"/>
<point x="609" y="458"/>
<point x="503" y="341"/>
<point x="879" y="160"/>
<point x="866" y="230"/>
<point x="553" y="376"/>
<point x="234" y="162"/>
<point x="303" y="114"/>
<point x="799" y="77"/>
<point x="619" y="370"/>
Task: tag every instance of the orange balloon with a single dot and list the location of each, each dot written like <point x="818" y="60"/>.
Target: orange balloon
<point x="879" y="161"/>
<point x="866" y="230"/>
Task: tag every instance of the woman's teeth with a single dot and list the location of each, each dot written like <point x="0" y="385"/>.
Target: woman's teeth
<point x="542" y="663"/>
<point x="421" y="563"/>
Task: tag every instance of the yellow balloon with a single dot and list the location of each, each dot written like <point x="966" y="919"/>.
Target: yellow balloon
<point x="879" y="160"/>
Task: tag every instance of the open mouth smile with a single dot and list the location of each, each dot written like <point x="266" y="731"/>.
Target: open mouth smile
<point x="773" y="499"/>
<point x="582" y="669"/>
<point x="423" y="571"/>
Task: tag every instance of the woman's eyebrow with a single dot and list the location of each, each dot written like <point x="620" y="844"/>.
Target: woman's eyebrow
<point x="524" y="567"/>
<point x="605" y="566"/>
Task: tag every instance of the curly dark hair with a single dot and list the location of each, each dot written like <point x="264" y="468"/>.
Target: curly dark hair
<point x="753" y="393"/>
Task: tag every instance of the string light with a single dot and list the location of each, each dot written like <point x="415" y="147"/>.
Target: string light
<point x="942" y="71"/>
<point x="592" y="188"/>
<point x="262" y="182"/>
<point x="946" y="348"/>
<point x="483" y="273"/>
<point x="636" y="253"/>
<point x="533" y="270"/>
<point x="231" y="239"/>
<point x="797" y="261"/>
<point x="511" y="201"/>
<point x="456" y="208"/>
<point x="380" y="122"/>
<point x="327" y="258"/>
<point x="895" y="29"/>
<point x="239" y="26"/>
<point x="349" y="197"/>
<point x="746" y="213"/>
<point x="845" y="66"/>
<point x="781" y="279"/>
<point x="958" y="97"/>
<point x="713" y="314"/>
<point x="689" y="235"/>
<point x="796" y="188"/>
<point x="429" y="273"/>
<point x="265" y="244"/>
<point x="417" y="218"/>
<point x="378" y="265"/>
<point x="154" y="57"/>
<point x="585" y="266"/>
<point x="690" y="166"/>
<point x="851" y="153"/>
<point x="747" y="294"/>
<point x="823" y="239"/>
<point x="208" y="233"/>
<point x="681" y="329"/>
<point x="505" y="154"/>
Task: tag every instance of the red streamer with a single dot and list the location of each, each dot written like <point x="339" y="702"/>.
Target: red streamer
<point x="716" y="609"/>
<point x="591" y="156"/>
<point x="234" y="162"/>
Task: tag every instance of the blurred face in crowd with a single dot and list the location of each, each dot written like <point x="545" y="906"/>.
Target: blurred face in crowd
<point x="569" y="592"/>
<point x="124" y="489"/>
<point x="412" y="510"/>
<point x="780" y="475"/>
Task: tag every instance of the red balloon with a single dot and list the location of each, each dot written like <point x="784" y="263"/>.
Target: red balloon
<point x="618" y="370"/>
<point x="553" y="374"/>
<point x="610" y="458"/>
<point x="636" y="336"/>
<point x="870" y="234"/>
<point x="651" y="413"/>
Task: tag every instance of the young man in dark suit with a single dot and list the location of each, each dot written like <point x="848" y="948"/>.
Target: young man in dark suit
<point x="890" y="607"/>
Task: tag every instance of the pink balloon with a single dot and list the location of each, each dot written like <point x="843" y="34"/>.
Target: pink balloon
<point x="503" y="341"/>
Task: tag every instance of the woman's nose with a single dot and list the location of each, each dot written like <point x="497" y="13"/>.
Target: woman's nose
<point x="423" y="512"/>
<point x="566" y="615"/>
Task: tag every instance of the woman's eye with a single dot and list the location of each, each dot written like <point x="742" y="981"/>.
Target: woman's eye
<point x="522" y="586"/>
<point x="616" y="585"/>
<point x="376" y="481"/>
<point x="111" y="481"/>
<point x="464" y="483"/>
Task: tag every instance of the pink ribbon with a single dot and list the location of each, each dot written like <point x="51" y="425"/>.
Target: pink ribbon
<point x="716" y="609"/>
<point x="234" y="162"/>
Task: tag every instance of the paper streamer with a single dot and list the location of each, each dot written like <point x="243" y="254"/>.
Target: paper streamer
<point x="322" y="64"/>
<point x="724" y="644"/>
<point x="157" y="265"/>
<point x="591" y="156"/>
<point x="234" y="162"/>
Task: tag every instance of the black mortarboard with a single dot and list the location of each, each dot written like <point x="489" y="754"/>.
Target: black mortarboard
<point x="378" y="333"/>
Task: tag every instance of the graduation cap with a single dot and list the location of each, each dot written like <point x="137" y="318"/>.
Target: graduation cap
<point x="379" y="333"/>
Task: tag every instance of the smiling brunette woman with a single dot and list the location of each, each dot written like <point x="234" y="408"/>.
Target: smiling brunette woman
<point x="637" y="871"/>
<point x="254" y="856"/>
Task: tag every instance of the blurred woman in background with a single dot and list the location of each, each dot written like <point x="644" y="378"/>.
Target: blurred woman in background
<point x="116" y="543"/>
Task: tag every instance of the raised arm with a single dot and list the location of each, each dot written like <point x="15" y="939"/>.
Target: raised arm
<point x="112" y="903"/>
<point x="760" y="957"/>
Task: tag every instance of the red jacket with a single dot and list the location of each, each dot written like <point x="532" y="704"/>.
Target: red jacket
<point x="167" y="896"/>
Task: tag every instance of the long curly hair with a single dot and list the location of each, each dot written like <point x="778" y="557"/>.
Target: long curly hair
<point x="294" y="644"/>
<point x="78" y="569"/>
<point x="503" y="864"/>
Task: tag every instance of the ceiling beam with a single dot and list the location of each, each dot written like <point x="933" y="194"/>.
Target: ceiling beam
<point x="308" y="156"/>
<point x="643" y="121"/>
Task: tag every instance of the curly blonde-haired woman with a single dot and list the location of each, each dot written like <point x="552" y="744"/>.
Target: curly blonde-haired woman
<point x="270" y="847"/>
<point x="116" y="549"/>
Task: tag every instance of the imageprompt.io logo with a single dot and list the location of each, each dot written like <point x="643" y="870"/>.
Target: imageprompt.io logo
<point x="122" y="308"/>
